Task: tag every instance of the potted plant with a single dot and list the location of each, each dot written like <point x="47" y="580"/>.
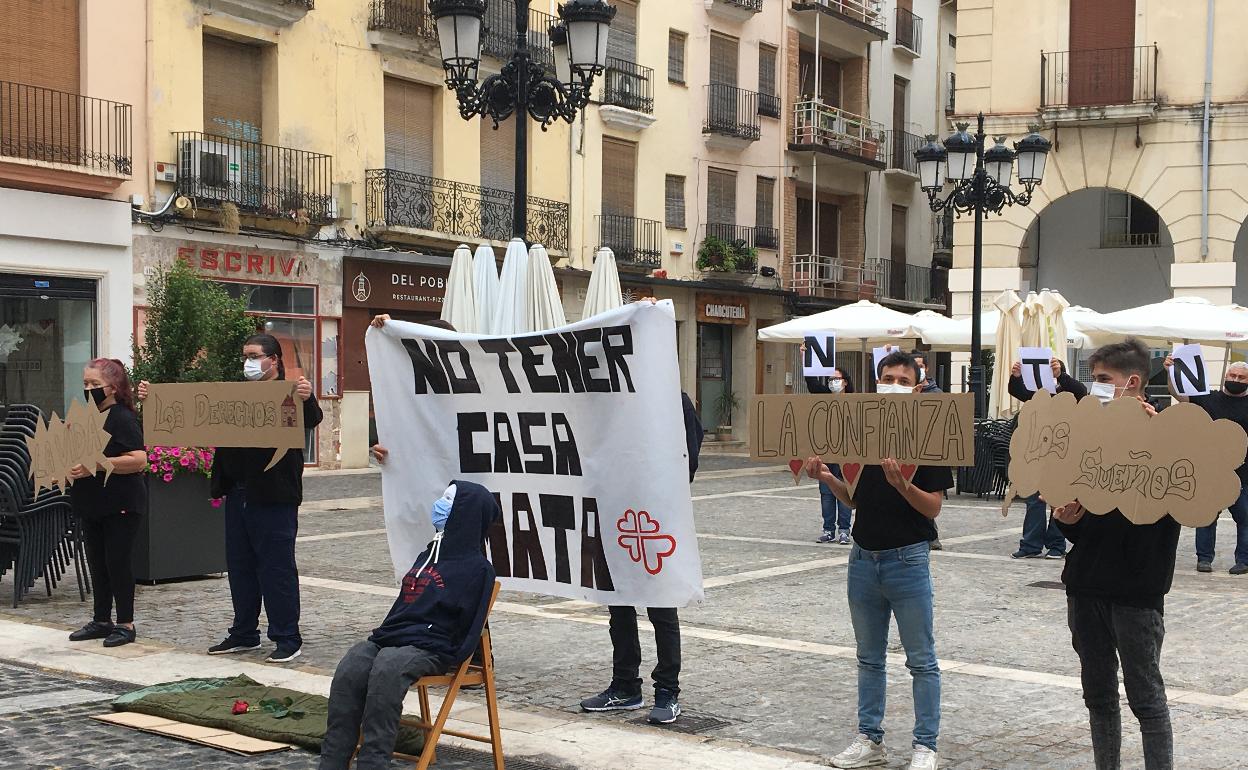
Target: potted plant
<point x="726" y="405"/>
<point x="722" y="260"/>
<point x="194" y="333"/>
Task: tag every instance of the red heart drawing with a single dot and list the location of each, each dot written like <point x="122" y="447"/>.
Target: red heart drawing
<point x="907" y="471"/>
<point x="850" y="472"/>
<point x="796" y="466"/>
<point x="637" y="522"/>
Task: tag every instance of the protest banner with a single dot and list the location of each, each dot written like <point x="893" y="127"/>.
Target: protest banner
<point x="577" y="431"/>
<point x="1115" y="456"/>
<point x="856" y="429"/>
<point x="1187" y="371"/>
<point x="1037" y="369"/>
<point x="59" y="445"/>
<point x="819" y="359"/>
<point x="225" y="414"/>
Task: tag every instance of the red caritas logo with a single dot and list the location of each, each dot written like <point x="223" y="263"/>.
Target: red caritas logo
<point x="642" y="536"/>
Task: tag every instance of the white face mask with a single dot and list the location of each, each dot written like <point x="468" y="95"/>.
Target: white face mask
<point x="1102" y="391"/>
<point x="836" y="385"/>
<point x="252" y="369"/>
<point x="892" y="387"/>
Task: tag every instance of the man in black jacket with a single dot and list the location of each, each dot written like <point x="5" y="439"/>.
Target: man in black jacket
<point x="1036" y="538"/>
<point x="624" y="693"/>
<point x="435" y="624"/>
<point x="1117" y="576"/>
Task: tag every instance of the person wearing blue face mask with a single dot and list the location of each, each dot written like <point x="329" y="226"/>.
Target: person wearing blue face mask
<point x="434" y="624"/>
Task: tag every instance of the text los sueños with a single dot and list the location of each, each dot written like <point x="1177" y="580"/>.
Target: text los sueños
<point x="532" y="444"/>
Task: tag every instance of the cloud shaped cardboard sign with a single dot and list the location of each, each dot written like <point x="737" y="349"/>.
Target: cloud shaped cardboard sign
<point x="225" y="414"/>
<point x="60" y="445"/>
<point x="1179" y="462"/>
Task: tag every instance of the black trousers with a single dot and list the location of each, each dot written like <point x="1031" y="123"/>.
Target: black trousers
<point x="1103" y="634"/>
<point x="626" y="656"/>
<point x="260" y="557"/>
<point x="109" y="546"/>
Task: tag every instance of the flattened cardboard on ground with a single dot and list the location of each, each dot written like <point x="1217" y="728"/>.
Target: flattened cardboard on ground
<point x="80" y="439"/>
<point x="1179" y="462"/>
<point x="205" y="736"/>
<point x="225" y="414"/>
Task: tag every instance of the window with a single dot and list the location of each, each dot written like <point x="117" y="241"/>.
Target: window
<point x="233" y="74"/>
<point x="829" y="91"/>
<point x="622" y="41"/>
<point x="953" y="41"/>
<point x="721" y="197"/>
<point x="675" y="56"/>
<point x="408" y="115"/>
<point x="723" y="60"/>
<point x="766" y="70"/>
<point x="619" y="177"/>
<point x="498" y="159"/>
<point x="674" y="201"/>
<point x="1129" y="221"/>
<point x="764" y="202"/>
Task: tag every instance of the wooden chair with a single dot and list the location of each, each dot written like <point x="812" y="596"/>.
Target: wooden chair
<point x="467" y="673"/>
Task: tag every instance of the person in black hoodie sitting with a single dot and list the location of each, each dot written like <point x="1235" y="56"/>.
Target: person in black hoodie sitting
<point x="434" y="625"/>
<point x="1117" y="576"/>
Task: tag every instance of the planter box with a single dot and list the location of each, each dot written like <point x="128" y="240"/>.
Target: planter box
<point x="182" y="535"/>
<point x="726" y="276"/>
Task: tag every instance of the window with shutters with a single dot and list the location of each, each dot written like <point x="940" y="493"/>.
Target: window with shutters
<point x="721" y="197"/>
<point x="766" y="69"/>
<point x="829" y="90"/>
<point x="619" y="177"/>
<point x="1129" y="221"/>
<point x="674" y="201"/>
<point x="1102" y="67"/>
<point x="622" y="41"/>
<point x="498" y="157"/>
<point x="39" y="43"/>
<point x="723" y="60"/>
<point x="764" y="203"/>
<point x="409" y="111"/>
<point x="233" y="91"/>
<point x="675" y="56"/>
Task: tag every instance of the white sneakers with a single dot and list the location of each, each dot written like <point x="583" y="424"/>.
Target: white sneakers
<point x="864" y="752"/>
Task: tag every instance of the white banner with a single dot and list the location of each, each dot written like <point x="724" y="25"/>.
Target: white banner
<point x="578" y="431"/>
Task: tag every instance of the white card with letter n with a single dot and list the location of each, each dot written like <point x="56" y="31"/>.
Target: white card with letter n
<point x="1187" y="371"/>
<point x="819" y="360"/>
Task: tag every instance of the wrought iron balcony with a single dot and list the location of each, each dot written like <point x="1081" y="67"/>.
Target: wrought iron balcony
<point x="942" y="233"/>
<point x="769" y="105"/>
<point x="735" y="10"/>
<point x="498" y="32"/>
<point x="40" y="124"/>
<point x="909" y="31"/>
<point x="407" y="17"/>
<point x="819" y="127"/>
<point x="731" y="112"/>
<point x="814" y="275"/>
<point x="637" y="243"/>
<point x="753" y="6"/>
<point x="457" y="210"/>
<point x="1105" y="77"/>
<point x="864" y="14"/>
<point x="951" y="101"/>
<point x="628" y="85"/>
<point x="755" y="237"/>
<point x="901" y="147"/>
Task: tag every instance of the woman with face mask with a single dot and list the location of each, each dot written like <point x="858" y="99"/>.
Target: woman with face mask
<point x="837" y="517"/>
<point x="108" y="511"/>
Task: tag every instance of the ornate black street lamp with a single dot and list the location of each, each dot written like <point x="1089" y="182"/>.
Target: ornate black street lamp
<point x="981" y="184"/>
<point x="522" y="87"/>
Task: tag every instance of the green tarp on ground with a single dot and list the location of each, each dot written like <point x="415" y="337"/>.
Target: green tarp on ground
<point x="209" y="702"/>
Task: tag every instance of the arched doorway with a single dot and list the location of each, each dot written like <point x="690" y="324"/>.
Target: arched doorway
<point x="1239" y="292"/>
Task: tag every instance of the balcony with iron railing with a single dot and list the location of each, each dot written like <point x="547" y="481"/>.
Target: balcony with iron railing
<point x="818" y="127"/>
<point x="414" y="30"/>
<point x="769" y="105"/>
<point x="409" y="204"/>
<point x="63" y="142"/>
<point x="862" y="16"/>
<point x="744" y="235"/>
<point x="628" y="85"/>
<point x="274" y="12"/>
<point x="832" y="278"/>
<point x="951" y="102"/>
<point x="901" y="147"/>
<point x="942" y="233"/>
<point x="406" y="17"/>
<point x="734" y="10"/>
<point x="636" y="243"/>
<point x="908" y="34"/>
<point x="904" y="282"/>
<point x="1099" y="84"/>
<point x="262" y="180"/>
<point x="731" y="115"/>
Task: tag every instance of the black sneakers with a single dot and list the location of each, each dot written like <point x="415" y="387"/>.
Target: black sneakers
<point x="93" y="630"/>
<point x="612" y="699"/>
<point x="232" y="645"/>
<point x="120" y="635"/>
<point x="284" y="653"/>
<point x="666" y="707"/>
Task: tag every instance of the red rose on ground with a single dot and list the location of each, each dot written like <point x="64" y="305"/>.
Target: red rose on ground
<point x="240" y="707"/>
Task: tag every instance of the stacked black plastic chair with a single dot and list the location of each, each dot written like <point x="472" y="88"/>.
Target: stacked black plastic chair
<point x="38" y="534"/>
<point x="990" y="474"/>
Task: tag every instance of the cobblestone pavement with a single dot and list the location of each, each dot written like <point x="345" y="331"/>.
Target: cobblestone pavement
<point x="768" y="657"/>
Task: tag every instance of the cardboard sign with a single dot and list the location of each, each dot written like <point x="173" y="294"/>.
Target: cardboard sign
<point x="819" y="360"/>
<point x="1037" y="371"/>
<point x="59" y="446"/>
<point x="857" y="429"/>
<point x="877" y="355"/>
<point x="225" y="414"/>
<point x="1187" y="372"/>
<point x="1179" y="462"/>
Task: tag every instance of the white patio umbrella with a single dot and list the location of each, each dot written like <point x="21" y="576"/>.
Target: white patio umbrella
<point x="511" y="315"/>
<point x="545" y="305"/>
<point x="1056" y="334"/>
<point x="603" y="293"/>
<point x="1192" y="319"/>
<point x="1033" y="322"/>
<point x="1009" y="337"/>
<point x="485" y="288"/>
<point x="954" y="334"/>
<point x="459" y="308"/>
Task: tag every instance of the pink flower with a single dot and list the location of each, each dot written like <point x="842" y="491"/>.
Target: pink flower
<point x="216" y="502"/>
<point x="177" y="452"/>
<point x="185" y="461"/>
<point x="167" y="477"/>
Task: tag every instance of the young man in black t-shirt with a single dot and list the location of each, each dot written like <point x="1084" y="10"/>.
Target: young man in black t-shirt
<point x="1230" y="403"/>
<point x="889" y="576"/>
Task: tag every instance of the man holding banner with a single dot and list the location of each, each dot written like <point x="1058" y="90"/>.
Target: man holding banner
<point x="1231" y="403"/>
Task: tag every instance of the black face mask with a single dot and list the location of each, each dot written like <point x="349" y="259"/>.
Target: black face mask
<point x="94" y="394"/>
<point x="1235" y="388"/>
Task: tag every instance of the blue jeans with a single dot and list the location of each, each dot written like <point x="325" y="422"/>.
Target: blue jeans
<point x="1036" y="536"/>
<point x="260" y="558"/>
<point x="896" y="582"/>
<point x="1207" y="536"/>
<point x="835" y="513"/>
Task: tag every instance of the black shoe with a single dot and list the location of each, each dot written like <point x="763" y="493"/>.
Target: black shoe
<point x="284" y="653"/>
<point x="1021" y="554"/>
<point x="827" y="537"/>
<point x="612" y="699"/>
<point x="231" y="645"/>
<point x="1204" y="566"/>
<point x="1239" y="569"/>
<point x="120" y="635"/>
<point x="666" y="707"/>
<point x="93" y="630"/>
<point x="936" y="546"/>
<point x="1055" y="554"/>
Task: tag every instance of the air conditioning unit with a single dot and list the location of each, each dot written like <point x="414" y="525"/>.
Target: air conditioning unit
<point x="210" y="169"/>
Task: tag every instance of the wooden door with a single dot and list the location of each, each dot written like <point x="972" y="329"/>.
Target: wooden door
<point x="897" y="254"/>
<point x="901" y="88"/>
<point x="1101" y="70"/>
